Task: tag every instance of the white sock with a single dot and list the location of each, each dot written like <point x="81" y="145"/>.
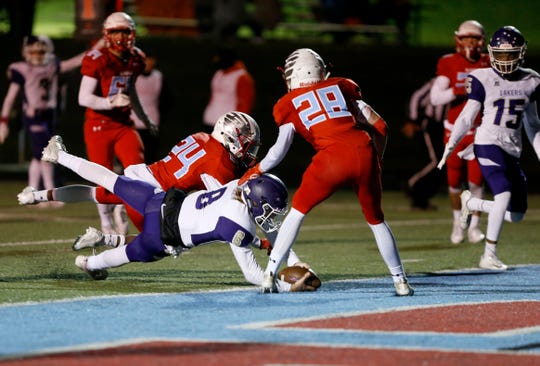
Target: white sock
<point x="114" y="240"/>
<point x="88" y="170"/>
<point x="490" y="249"/>
<point x="496" y="216"/>
<point x="386" y="243"/>
<point x="108" y="259"/>
<point x="286" y="236"/>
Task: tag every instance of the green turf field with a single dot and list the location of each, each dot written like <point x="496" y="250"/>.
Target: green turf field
<point x="36" y="260"/>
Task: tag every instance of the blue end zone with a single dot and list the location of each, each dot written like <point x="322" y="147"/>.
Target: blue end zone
<point x="247" y="315"/>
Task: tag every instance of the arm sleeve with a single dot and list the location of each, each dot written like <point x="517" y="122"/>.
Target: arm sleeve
<point x="441" y="92"/>
<point x="531" y="123"/>
<point x="9" y="100"/>
<point x="252" y="271"/>
<point x="88" y="99"/>
<point x="465" y="121"/>
<point x="292" y="258"/>
<point x="277" y="152"/>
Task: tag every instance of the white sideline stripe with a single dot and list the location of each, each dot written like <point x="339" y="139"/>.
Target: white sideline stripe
<point x="359" y="224"/>
<point x="37" y="242"/>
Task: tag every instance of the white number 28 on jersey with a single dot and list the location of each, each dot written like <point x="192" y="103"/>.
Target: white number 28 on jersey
<point x="319" y="105"/>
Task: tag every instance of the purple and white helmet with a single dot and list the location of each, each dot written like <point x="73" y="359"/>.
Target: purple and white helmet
<point x="507" y="49"/>
<point x="267" y="198"/>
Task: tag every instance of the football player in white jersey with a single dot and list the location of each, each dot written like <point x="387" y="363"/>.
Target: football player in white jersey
<point x="175" y="221"/>
<point x="36" y="79"/>
<point x="506" y="94"/>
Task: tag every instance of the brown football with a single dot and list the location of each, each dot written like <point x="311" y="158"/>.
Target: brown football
<point x="294" y="273"/>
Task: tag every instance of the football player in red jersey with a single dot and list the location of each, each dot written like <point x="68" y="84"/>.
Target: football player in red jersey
<point x="176" y="221"/>
<point x="349" y="138"/>
<point x="222" y="156"/>
<point x="449" y="87"/>
<point x="108" y="92"/>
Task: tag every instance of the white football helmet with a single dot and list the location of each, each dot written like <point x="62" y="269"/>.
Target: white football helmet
<point x="470" y="49"/>
<point x="240" y="135"/>
<point x="304" y="67"/>
<point x="38" y="50"/>
<point x="116" y="22"/>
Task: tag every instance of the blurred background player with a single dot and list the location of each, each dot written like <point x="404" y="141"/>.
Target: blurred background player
<point x="155" y="97"/>
<point x="329" y="114"/>
<point x="196" y="160"/>
<point x="232" y="88"/>
<point x="506" y="97"/>
<point x="36" y="79"/>
<point x="108" y="92"/>
<point x="449" y="87"/>
<point x="425" y="125"/>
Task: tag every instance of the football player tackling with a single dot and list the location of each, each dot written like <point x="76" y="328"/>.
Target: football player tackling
<point x="175" y="221"/>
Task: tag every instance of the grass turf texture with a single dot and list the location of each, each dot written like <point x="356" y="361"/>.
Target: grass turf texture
<point x="37" y="262"/>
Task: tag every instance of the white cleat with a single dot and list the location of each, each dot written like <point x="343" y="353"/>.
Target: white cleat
<point x="99" y="274"/>
<point x="457" y="236"/>
<point x="90" y="239"/>
<point x="50" y="152"/>
<point x="465" y="217"/>
<point x="403" y="288"/>
<point x="26" y="197"/>
<point x="475" y="235"/>
<point x="492" y="262"/>
<point x="268" y="284"/>
<point x="121" y="222"/>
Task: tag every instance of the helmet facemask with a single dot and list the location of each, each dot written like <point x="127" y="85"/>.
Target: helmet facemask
<point x="507" y="49"/>
<point x="470" y="40"/>
<point x="240" y="135"/>
<point x="267" y="198"/>
<point x="119" y="32"/>
<point x="506" y="61"/>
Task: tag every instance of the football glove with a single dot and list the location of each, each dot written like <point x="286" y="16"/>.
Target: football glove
<point x="251" y="173"/>
<point x="119" y="100"/>
<point x="265" y="244"/>
<point x="447" y="151"/>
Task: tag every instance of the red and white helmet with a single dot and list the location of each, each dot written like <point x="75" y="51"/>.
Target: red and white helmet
<point x="239" y="133"/>
<point x="304" y="67"/>
<point x="38" y="50"/>
<point x="114" y="23"/>
<point x="470" y="29"/>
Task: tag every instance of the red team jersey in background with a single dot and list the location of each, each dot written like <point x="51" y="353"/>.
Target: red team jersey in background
<point x="456" y="68"/>
<point x="110" y="133"/>
<point x="182" y="168"/>
<point x="113" y="74"/>
<point x="324" y="115"/>
<point x="197" y="154"/>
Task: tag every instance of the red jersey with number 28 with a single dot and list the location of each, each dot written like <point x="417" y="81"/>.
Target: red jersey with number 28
<point x="113" y="75"/>
<point x="196" y="154"/>
<point x="323" y="114"/>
